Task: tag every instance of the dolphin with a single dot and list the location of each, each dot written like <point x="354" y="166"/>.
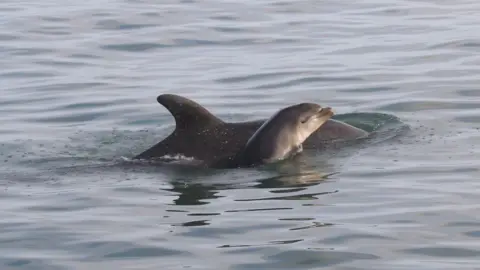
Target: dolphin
<point x="203" y="136"/>
<point x="280" y="137"/>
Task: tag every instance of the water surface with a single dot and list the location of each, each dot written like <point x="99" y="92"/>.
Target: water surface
<point x="79" y="82"/>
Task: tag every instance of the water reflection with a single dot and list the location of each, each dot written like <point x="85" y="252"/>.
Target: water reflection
<point x="274" y="243"/>
<point x="199" y="187"/>
<point x="193" y="194"/>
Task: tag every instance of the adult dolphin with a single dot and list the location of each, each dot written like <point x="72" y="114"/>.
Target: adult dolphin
<point x="201" y="135"/>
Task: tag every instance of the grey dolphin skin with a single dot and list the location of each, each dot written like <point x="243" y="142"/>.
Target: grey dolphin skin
<point x="280" y="137"/>
<point x="201" y="135"/>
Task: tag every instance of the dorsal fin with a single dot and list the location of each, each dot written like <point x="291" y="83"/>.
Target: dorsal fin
<point x="187" y="113"/>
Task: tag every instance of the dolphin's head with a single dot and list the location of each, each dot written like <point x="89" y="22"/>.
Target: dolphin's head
<point x="283" y="134"/>
<point x="306" y="118"/>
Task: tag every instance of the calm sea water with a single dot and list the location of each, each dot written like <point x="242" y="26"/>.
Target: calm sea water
<point x="78" y="86"/>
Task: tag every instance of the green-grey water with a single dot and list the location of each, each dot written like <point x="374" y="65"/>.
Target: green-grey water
<point x="77" y="99"/>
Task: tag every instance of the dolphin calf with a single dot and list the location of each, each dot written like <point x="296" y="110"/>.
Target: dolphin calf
<point x="201" y="135"/>
<point x="280" y="137"/>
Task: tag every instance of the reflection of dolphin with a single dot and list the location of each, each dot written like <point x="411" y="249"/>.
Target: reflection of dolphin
<point x="279" y="137"/>
<point x="203" y="136"/>
<point x="194" y="186"/>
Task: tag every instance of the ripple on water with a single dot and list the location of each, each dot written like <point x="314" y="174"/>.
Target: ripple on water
<point x="305" y="259"/>
<point x="135" y="47"/>
<point x="32" y="74"/>
<point x="428" y="105"/>
<point x="61" y="63"/>
<point x="457" y="44"/>
<point x="139" y="252"/>
<point x="111" y="24"/>
<point x="469" y="92"/>
<point x="29" y="52"/>
<point x="471" y="119"/>
<point x="183" y="43"/>
<point x="258" y="77"/>
<point x="8" y="37"/>
<point x="304" y="81"/>
<point x="443" y="252"/>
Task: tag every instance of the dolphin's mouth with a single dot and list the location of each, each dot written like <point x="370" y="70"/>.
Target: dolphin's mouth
<point x="322" y="112"/>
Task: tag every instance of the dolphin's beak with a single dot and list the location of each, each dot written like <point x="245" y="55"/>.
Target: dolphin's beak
<point x="327" y="111"/>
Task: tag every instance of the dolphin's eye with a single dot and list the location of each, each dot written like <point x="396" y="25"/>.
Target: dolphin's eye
<point x="303" y="120"/>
